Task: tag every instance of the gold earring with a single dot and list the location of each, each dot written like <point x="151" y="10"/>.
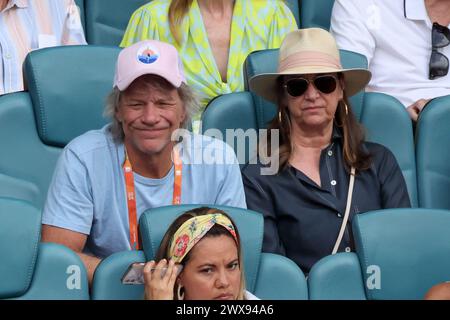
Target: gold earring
<point x="346" y="107"/>
<point x="180" y="295"/>
<point x="279" y="116"/>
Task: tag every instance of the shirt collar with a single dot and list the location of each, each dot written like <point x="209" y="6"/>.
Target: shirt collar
<point x="337" y="134"/>
<point x="415" y="10"/>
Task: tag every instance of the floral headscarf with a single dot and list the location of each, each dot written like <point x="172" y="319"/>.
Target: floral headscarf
<point x="193" y="230"/>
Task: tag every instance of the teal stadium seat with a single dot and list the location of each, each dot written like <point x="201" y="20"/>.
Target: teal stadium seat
<point x="400" y="254"/>
<point x="316" y="13"/>
<point x="27" y="166"/>
<point x="433" y="154"/>
<point x="106" y="20"/>
<point x="67" y="89"/>
<point x="30" y="270"/>
<point x="387" y="122"/>
<point x="268" y="276"/>
<point x="235" y="114"/>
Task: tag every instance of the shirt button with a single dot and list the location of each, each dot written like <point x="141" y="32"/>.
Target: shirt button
<point x="330" y="153"/>
<point x="348" y="249"/>
<point x="7" y="56"/>
<point x="339" y="215"/>
<point x="333" y="182"/>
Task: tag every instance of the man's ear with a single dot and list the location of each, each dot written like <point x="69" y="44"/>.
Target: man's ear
<point x="118" y="115"/>
<point x="183" y="115"/>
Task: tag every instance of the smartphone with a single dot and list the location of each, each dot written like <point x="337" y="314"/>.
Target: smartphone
<point x="135" y="273"/>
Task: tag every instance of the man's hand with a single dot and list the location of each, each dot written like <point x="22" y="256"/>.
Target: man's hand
<point x="416" y="108"/>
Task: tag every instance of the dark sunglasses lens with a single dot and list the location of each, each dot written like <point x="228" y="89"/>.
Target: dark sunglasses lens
<point x="440" y="36"/>
<point x="438" y="65"/>
<point x="296" y="87"/>
<point x="326" y="84"/>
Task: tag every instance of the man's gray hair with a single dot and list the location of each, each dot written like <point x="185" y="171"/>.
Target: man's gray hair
<point x="187" y="96"/>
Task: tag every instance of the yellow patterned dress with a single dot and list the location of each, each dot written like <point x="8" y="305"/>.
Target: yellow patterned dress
<point x="256" y="25"/>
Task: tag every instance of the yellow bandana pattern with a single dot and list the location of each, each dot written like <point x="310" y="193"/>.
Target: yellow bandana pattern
<point x="193" y="230"/>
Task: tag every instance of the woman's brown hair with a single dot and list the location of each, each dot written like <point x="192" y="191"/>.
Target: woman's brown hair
<point x="178" y="9"/>
<point x="353" y="133"/>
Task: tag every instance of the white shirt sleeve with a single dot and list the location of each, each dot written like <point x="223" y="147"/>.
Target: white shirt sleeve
<point x="73" y="33"/>
<point x="69" y="202"/>
<point x="353" y="23"/>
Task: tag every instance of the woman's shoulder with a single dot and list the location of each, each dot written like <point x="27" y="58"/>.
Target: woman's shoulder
<point x="381" y="155"/>
<point x="375" y="148"/>
<point x="263" y="173"/>
<point x="252" y="168"/>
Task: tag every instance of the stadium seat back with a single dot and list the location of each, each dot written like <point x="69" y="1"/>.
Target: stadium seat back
<point x="107" y="283"/>
<point x="234" y="110"/>
<point x="67" y="106"/>
<point x="407" y="248"/>
<point x="400" y="254"/>
<point x="336" y="277"/>
<point x="106" y="20"/>
<point x="26" y="166"/>
<point x="387" y="122"/>
<point x="316" y="14"/>
<point x="433" y="154"/>
<point x="30" y="270"/>
<point x="35" y="126"/>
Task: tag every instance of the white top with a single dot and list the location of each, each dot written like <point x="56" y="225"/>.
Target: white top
<point x="250" y="296"/>
<point x="395" y="36"/>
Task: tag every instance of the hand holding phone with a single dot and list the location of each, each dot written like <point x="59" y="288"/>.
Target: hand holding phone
<point x="135" y="273"/>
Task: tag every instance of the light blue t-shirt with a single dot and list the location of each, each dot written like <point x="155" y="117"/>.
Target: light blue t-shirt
<point x="87" y="193"/>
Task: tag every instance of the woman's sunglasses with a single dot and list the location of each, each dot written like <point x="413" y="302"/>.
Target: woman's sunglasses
<point x="298" y="86"/>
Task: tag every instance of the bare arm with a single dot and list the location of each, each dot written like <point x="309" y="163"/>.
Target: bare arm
<point x="439" y="292"/>
<point x="74" y="241"/>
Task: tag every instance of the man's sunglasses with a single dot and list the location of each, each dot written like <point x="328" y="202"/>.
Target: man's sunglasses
<point x="298" y="86"/>
<point x="440" y="38"/>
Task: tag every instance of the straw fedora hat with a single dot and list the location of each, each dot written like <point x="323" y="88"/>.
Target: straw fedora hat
<point x="308" y="51"/>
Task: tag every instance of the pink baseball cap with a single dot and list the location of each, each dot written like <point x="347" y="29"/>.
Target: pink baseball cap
<point x="148" y="57"/>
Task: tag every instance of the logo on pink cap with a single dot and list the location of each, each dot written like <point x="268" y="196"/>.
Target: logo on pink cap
<point x="147" y="54"/>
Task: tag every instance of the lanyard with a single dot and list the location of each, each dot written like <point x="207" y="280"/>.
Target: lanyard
<point x="131" y="194"/>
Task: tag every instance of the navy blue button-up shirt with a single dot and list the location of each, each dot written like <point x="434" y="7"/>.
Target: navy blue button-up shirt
<point x="303" y="219"/>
